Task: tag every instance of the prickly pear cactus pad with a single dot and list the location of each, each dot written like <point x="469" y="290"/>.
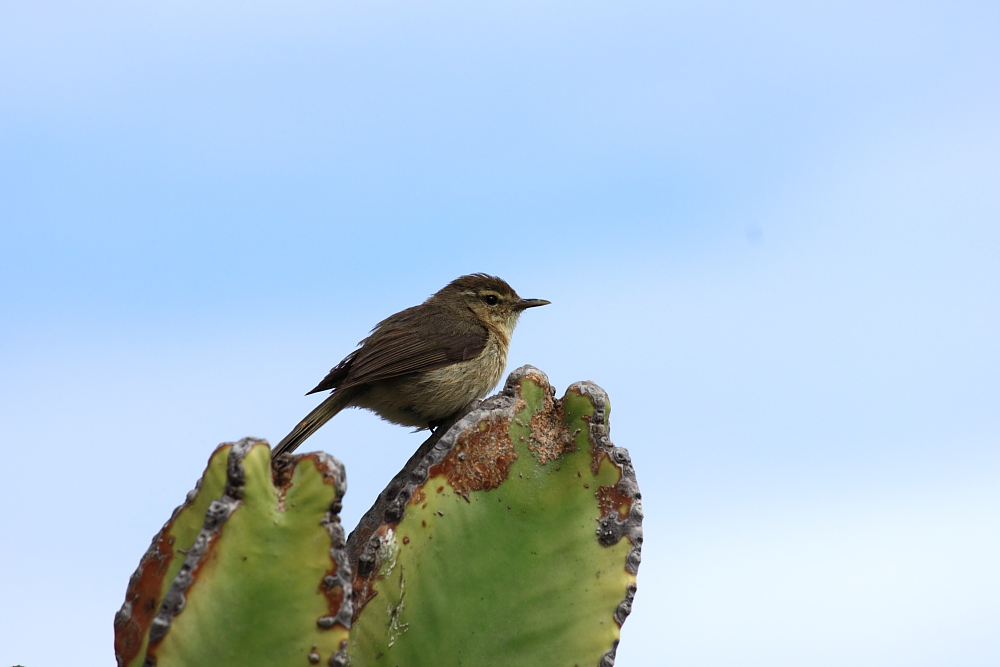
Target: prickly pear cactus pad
<point x="513" y="540"/>
<point x="249" y="571"/>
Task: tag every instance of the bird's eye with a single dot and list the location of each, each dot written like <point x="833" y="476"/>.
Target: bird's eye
<point x="491" y="299"/>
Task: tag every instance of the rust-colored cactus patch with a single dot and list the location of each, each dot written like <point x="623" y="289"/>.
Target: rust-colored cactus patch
<point x="282" y="469"/>
<point x="366" y="572"/>
<point x="480" y="459"/>
<point x="419" y="496"/>
<point x="332" y="589"/>
<point x="611" y="499"/>
<point x="142" y="598"/>
<point x="550" y="436"/>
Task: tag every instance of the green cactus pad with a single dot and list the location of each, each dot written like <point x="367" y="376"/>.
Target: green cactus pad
<point x="263" y="580"/>
<point x="500" y="543"/>
<point x="163" y="560"/>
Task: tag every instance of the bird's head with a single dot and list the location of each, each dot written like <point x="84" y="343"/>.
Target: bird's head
<point x="488" y="299"/>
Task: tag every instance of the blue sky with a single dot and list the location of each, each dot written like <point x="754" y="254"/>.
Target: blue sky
<point x="770" y="231"/>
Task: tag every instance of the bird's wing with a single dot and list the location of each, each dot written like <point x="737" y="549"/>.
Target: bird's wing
<point x="395" y="349"/>
<point x="402" y="352"/>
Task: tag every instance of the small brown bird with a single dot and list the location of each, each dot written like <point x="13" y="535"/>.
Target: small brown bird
<point x="424" y="364"/>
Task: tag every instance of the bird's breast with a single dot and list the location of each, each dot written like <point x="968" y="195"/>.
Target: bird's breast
<point x="460" y="383"/>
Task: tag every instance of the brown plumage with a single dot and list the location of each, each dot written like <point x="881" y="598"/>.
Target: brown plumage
<point x="426" y="363"/>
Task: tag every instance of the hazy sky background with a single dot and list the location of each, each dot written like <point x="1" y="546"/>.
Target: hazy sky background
<point x="770" y="230"/>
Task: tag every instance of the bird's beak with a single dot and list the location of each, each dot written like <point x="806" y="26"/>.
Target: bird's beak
<point x="530" y="303"/>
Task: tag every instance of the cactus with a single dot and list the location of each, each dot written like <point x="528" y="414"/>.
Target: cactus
<point x="264" y="581"/>
<point x="511" y="537"/>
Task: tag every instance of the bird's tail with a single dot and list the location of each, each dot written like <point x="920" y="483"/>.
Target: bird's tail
<point x="323" y="413"/>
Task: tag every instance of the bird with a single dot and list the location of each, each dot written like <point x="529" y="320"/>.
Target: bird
<point x="425" y="363"/>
